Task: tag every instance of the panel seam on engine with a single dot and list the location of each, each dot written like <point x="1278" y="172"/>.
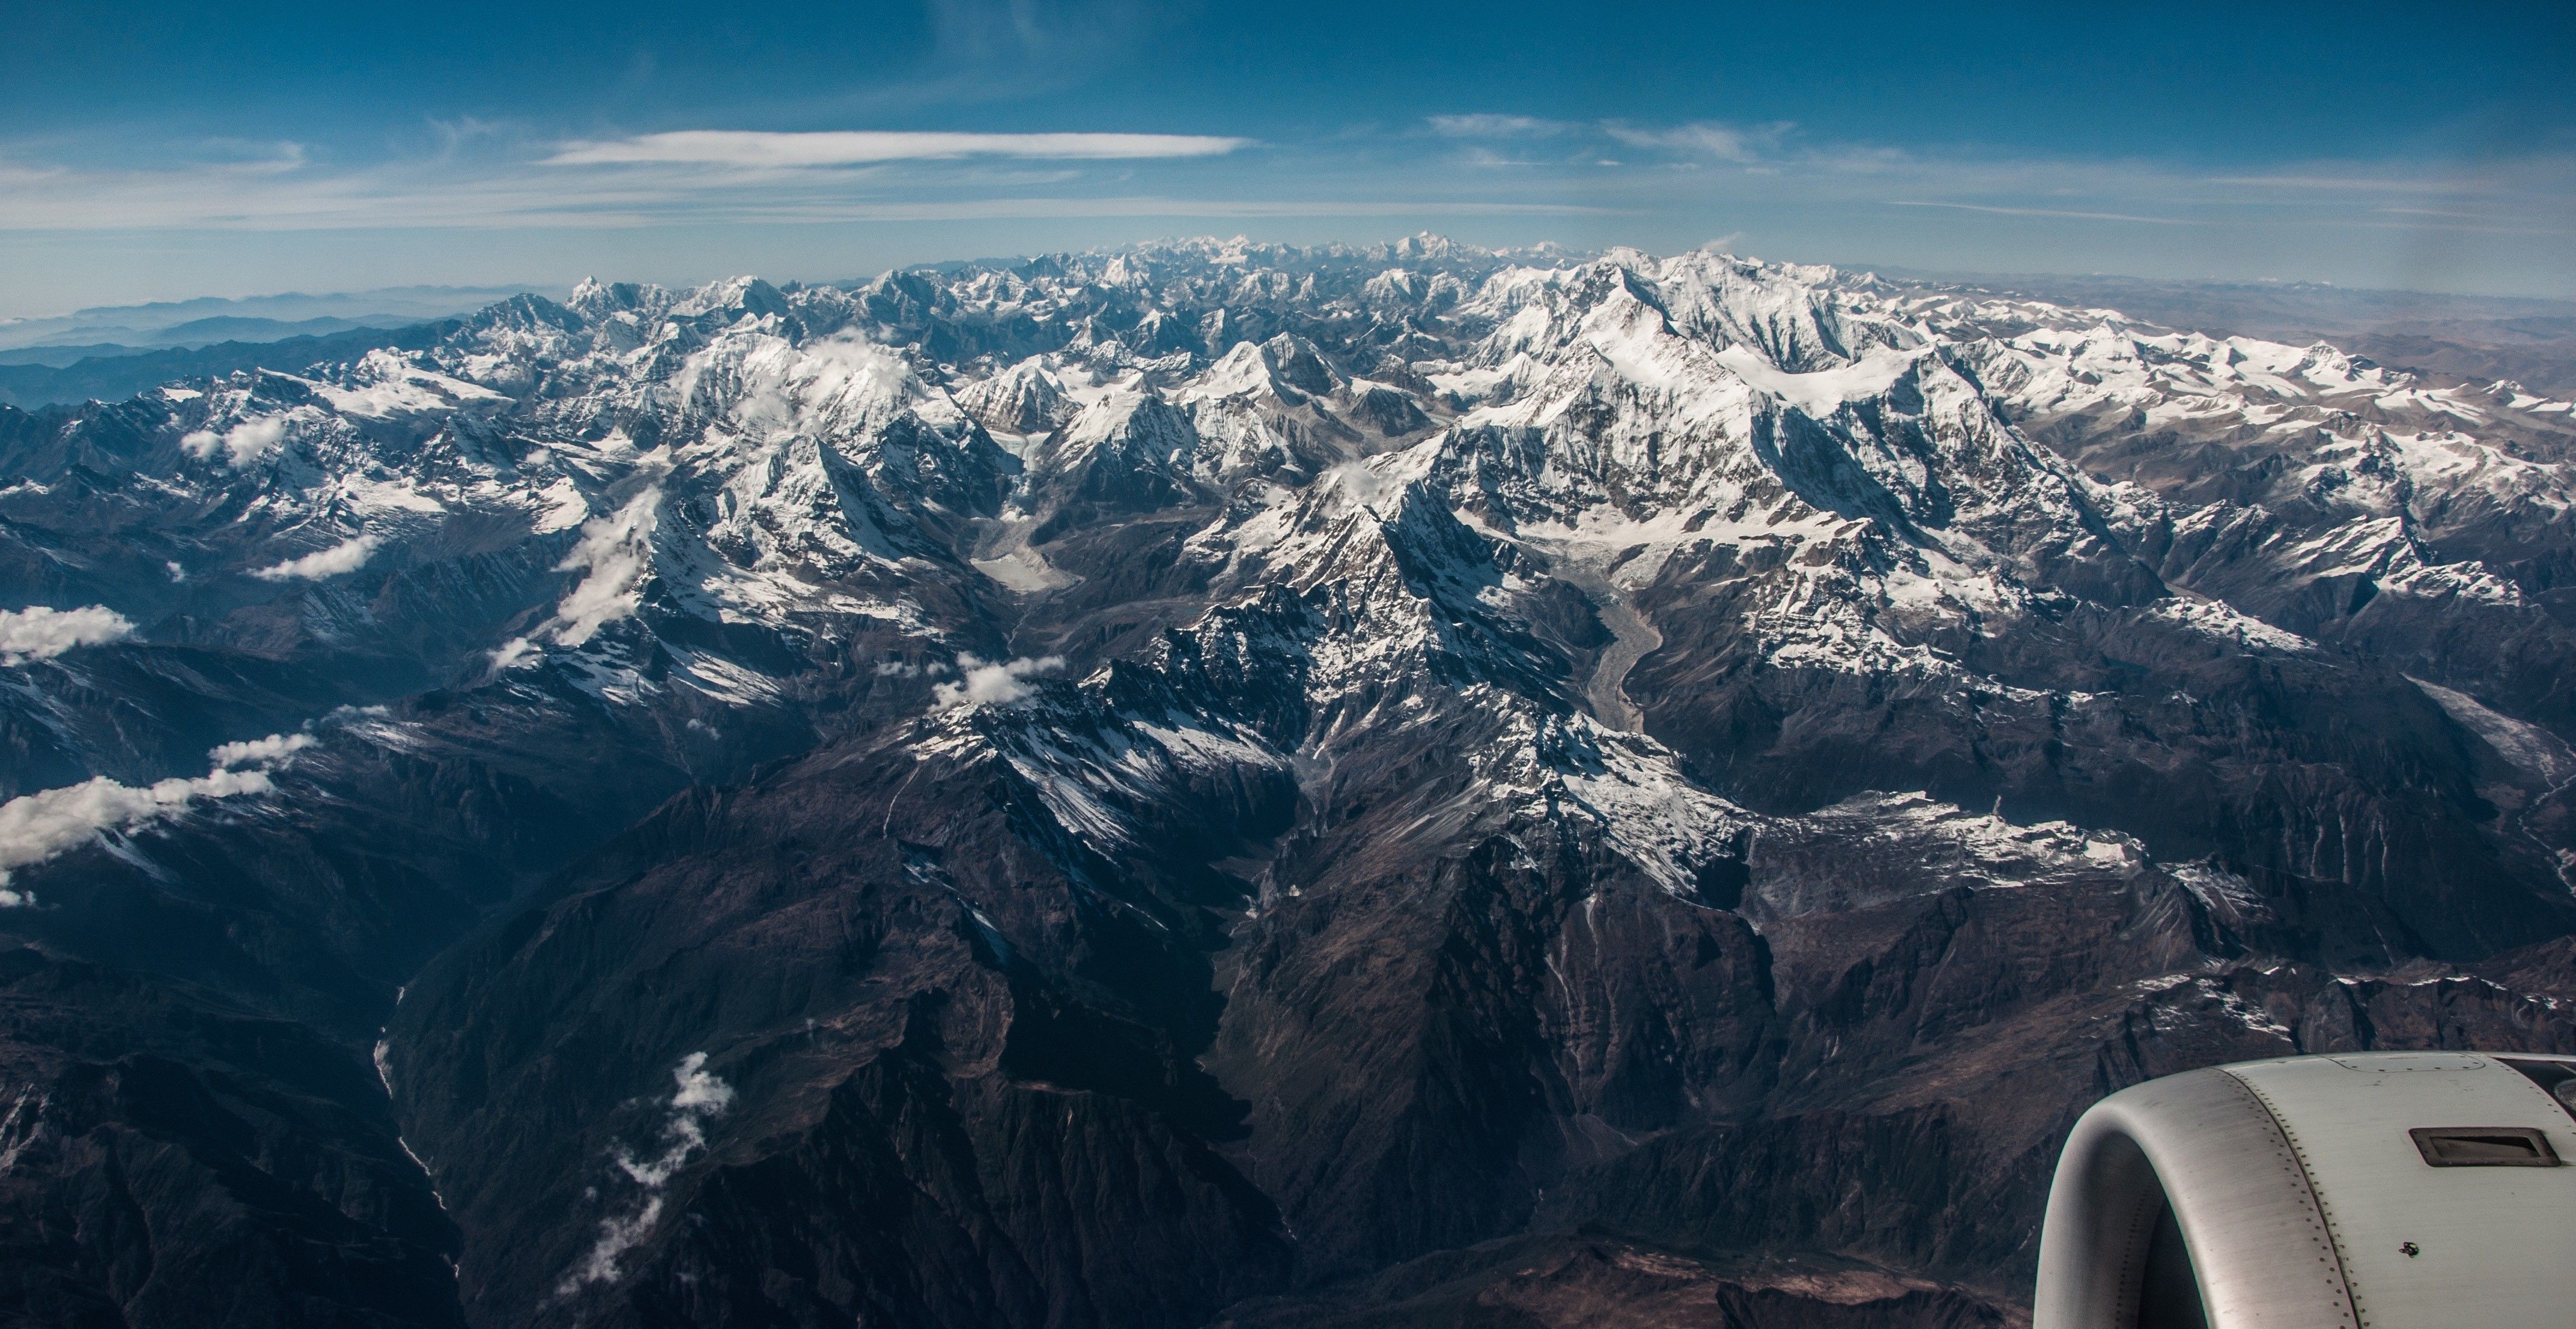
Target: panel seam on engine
<point x="2295" y="1160"/>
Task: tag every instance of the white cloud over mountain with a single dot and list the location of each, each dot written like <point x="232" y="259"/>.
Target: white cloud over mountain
<point x="346" y="556"/>
<point x="41" y="632"/>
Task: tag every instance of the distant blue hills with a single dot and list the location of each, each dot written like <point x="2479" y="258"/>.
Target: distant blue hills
<point x="110" y="353"/>
<point x="114" y="373"/>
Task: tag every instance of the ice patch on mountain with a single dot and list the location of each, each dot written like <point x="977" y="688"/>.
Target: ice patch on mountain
<point x="2222" y="622"/>
<point x="1822" y="392"/>
<point x="385" y="384"/>
<point x="2529" y="748"/>
<point x="1627" y="785"/>
<point x="1024" y="570"/>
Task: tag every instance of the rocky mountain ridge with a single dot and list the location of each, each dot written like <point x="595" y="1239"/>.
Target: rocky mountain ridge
<point x="1211" y="776"/>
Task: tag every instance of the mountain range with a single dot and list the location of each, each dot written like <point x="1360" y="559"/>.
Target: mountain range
<point x="1228" y="784"/>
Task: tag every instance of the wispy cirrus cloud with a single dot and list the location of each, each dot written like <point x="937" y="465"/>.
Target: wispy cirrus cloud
<point x="1705" y="138"/>
<point x="750" y="148"/>
<point x="1483" y="125"/>
<point x="1698" y="138"/>
<point x="489" y="174"/>
<point x="2072" y="214"/>
<point x="708" y="177"/>
<point x="1003" y="50"/>
<point x="2371" y="183"/>
<point x="1633" y="167"/>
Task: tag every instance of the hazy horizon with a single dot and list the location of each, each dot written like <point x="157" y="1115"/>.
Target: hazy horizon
<point x="215" y="303"/>
<point x="183" y="149"/>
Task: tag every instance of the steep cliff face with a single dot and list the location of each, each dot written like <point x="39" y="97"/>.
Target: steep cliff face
<point x="1216" y="784"/>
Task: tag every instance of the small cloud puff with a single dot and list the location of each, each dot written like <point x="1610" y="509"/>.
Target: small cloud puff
<point x="991" y="684"/>
<point x="242" y="444"/>
<point x="346" y="556"/>
<point x="41" y="633"/>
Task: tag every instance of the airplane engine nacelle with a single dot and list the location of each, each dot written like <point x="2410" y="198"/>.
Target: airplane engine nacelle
<point x="2406" y="1190"/>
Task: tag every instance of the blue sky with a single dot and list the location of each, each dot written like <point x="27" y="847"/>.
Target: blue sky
<point x="158" y="151"/>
